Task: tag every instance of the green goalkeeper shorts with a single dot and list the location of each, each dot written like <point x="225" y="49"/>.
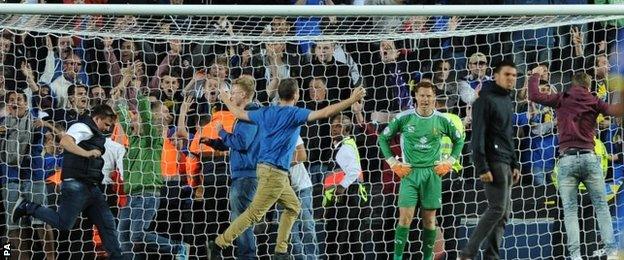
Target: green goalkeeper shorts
<point x="422" y="187"/>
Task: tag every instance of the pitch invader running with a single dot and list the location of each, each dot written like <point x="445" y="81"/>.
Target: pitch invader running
<point x="422" y="167"/>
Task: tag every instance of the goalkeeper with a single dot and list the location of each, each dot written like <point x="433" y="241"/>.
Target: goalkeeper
<point x="422" y="169"/>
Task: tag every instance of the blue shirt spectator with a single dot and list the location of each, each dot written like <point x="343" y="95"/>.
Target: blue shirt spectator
<point x="308" y="26"/>
<point x="279" y="128"/>
<point x="521" y="122"/>
<point x="244" y="144"/>
<point x="543" y="143"/>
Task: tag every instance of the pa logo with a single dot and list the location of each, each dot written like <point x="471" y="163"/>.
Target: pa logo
<point x="6" y="250"/>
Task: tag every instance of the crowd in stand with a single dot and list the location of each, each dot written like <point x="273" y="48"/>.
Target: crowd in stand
<point x="184" y="194"/>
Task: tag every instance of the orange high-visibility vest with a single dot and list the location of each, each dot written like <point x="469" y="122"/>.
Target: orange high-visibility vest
<point x="55" y="178"/>
<point x="97" y="241"/>
<point x="193" y="163"/>
<point x="172" y="161"/>
<point x="192" y="166"/>
<point x="226" y="118"/>
<point x="119" y="136"/>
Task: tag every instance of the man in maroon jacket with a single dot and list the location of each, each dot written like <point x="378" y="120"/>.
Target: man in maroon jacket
<point x="577" y="110"/>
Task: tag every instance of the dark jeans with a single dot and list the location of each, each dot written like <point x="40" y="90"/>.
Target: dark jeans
<point x="77" y="197"/>
<point x="491" y="225"/>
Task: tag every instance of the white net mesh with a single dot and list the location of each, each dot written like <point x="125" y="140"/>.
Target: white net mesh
<point x="187" y="196"/>
<point x="237" y="28"/>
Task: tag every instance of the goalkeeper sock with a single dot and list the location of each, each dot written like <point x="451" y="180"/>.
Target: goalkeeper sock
<point x="429" y="236"/>
<point x="400" y="238"/>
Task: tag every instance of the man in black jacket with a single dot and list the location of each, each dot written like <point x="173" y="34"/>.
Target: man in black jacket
<point x="495" y="159"/>
<point x="83" y="146"/>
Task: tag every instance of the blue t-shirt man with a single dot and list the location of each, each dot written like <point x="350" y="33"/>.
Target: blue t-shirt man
<point x="279" y="128"/>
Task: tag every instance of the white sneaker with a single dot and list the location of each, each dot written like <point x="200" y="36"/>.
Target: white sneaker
<point x="610" y="254"/>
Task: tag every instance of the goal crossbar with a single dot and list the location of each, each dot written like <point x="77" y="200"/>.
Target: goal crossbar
<point x="303" y="10"/>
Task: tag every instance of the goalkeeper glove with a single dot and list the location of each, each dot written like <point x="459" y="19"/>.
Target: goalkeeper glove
<point x="399" y="168"/>
<point x="443" y="167"/>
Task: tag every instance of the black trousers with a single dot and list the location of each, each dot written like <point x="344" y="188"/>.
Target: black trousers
<point x="345" y="236"/>
<point x="491" y="226"/>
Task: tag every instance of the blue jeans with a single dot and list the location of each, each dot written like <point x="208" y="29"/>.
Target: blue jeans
<point x="134" y="220"/>
<point x="317" y="172"/>
<point x="304" y="245"/>
<point x="585" y="168"/>
<point x="242" y="192"/>
<point x="541" y="175"/>
<point x="79" y="197"/>
<point x="33" y="191"/>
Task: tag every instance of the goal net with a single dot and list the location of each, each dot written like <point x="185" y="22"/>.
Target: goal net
<point x="174" y="187"/>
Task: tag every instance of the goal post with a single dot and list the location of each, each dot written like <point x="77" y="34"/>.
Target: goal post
<point x="173" y="53"/>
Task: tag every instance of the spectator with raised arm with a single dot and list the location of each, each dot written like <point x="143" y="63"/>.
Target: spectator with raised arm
<point x="336" y="73"/>
<point x="595" y="62"/>
<point x="34" y="92"/>
<point x="471" y="84"/>
<point x="543" y="135"/>
<point x="279" y="126"/>
<point x="577" y="110"/>
<point x="71" y="67"/>
<point x="130" y="52"/>
<point x="279" y="65"/>
<point x="142" y="178"/>
<point x="55" y="62"/>
<point x="244" y="144"/>
<point x="130" y="58"/>
<point x="390" y="81"/>
<point x="168" y="77"/>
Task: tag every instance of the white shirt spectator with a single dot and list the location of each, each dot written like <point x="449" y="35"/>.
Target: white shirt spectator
<point x="113" y="160"/>
<point x="283" y="70"/>
<point x="59" y="89"/>
<point x="467" y="93"/>
<point x="48" y="72"/>
<point x="347" y="160"/>
<point x="299" y="176"/>
<point x="80" y="132"/>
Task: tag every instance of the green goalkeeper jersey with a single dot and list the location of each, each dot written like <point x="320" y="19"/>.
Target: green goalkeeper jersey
<point x="420" y="138"/>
